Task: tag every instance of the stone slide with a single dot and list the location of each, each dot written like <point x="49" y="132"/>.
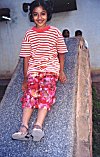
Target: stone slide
<point x="59" y="126"/>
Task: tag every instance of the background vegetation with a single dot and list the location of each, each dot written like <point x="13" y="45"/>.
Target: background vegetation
<point x="96" y="123"/>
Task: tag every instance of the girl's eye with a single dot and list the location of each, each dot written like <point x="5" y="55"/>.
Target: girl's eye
<point x="43" y="13"/>
<point x="35" y="14"/>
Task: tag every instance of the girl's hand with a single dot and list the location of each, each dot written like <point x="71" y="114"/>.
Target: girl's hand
<point x="24" y="85"/>
<point x="62" y="77"/>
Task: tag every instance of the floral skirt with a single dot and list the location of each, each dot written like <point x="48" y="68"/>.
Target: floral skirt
<point x="40" y="91"/>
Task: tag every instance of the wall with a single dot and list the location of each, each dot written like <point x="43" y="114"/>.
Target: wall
<point x="86" y="18"/>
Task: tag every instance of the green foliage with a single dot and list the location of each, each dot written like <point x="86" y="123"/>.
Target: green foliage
<point x="96" y="123"/>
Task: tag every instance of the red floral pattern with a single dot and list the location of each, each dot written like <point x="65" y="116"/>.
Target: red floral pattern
<point x="40" y="92"/>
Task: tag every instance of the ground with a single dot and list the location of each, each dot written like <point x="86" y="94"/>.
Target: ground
<point x="97" y="87"/>
<point x="96" y="119"/>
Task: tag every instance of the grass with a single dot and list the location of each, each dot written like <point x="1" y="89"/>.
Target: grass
<point x="96" y="123"/>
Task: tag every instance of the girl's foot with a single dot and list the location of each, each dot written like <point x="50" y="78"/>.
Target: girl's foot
<point x="37" y="133"/>
<point x="22" y="134"/>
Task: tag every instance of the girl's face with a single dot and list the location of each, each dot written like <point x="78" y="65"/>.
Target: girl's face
<point x="40" y="17"/>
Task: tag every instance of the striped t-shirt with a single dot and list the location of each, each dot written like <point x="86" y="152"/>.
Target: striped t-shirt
<point x="43" y="46"/>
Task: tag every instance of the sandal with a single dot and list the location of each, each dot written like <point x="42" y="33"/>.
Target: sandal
<point x="37" y="133"/>
<point x="23" y="136"/>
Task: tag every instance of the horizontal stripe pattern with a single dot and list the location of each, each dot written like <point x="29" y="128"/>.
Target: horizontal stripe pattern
<point x="43" y="48"/>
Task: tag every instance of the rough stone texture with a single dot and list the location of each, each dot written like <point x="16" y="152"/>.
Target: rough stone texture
<point x="83" y="106"/>
<point x="61" y="123"/>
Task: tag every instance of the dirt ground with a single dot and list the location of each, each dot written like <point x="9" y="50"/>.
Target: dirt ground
<point x="95" y="75"/>
<point x="96" y="116"/>
<point x="97" y="87"/>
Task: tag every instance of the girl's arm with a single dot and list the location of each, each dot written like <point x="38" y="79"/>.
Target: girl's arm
<point x="24" y="85"/>
<point x="62" y="76"/>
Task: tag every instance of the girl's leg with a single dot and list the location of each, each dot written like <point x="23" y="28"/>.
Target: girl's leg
<point x="47" y="95"/>
<point x="46" y="99"/>
<point x="41" y="116"/>
<point x="27" y="112"/>
<point x="37" y="132"/>
<point x="22" y="134"/>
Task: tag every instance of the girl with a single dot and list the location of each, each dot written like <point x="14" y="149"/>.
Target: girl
<point x="43" y="49"/>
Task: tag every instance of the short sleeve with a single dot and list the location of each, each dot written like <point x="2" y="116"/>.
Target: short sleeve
<point x="86" y="44"/>
<point x="61" y="46"/>
<point x="25" y="47"/>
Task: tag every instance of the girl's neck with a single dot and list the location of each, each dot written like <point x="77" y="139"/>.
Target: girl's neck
<point x="41" y="29"/>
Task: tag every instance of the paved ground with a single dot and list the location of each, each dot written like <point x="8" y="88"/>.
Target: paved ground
<point x="3" y="86"/>
<point x="58" y="127"/>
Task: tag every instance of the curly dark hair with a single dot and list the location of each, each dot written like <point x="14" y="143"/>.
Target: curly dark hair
<point x="66" y="33"/>
<point x="78" y="33"/>
<point x="46" y="4"/>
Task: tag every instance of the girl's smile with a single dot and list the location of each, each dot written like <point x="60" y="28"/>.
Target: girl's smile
<point x="40" y="17"/>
